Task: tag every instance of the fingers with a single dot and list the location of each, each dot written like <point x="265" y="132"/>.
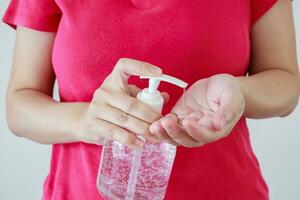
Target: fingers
<point x="121" y="110"/>
<point x="197" y="115"/>
<point x="165" y="96"/>
<point x="190" y="134"/>
<point x="158" y="131"/>
<point x="134" y="107"/>
<point x="172" y="128"/>
<point x="181" y="111"/>
<point x="109" y="131"/>
<point x="126" y="67"/>
<point x="199" y="132"/>
<point x="205" y="134"/>
<point x="122" y="119"/>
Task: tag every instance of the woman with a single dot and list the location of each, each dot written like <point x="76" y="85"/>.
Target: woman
<point x="93" y="47"/>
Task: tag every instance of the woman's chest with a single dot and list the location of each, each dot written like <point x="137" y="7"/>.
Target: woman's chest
<point x="191" y="38"/>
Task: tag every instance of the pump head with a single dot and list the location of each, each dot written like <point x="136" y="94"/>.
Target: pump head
<point x="154" y="82"/>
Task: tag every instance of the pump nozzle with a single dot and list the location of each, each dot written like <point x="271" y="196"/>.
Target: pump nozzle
<point x="154" y="82"/>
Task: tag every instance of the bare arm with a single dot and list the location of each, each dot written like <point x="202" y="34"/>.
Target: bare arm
<point x="31" y="111"/>
<point x="114" y="112"/>
<point x="272" y="89"/>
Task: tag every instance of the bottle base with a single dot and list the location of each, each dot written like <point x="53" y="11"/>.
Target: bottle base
<point x="112" y="192"/>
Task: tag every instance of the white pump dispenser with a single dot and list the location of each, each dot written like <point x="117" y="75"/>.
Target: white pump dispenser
<point x="151" y="95"/>
<point x="144" y="173"/>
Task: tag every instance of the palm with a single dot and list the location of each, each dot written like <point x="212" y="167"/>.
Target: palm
<point x="203" y="99"/>
<point x="208" y="112"/>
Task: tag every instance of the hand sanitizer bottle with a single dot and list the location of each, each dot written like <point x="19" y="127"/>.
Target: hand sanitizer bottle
<point x="138" y="174"/>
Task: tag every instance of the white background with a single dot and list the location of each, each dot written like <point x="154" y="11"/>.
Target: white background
<point x="24" y="164"/>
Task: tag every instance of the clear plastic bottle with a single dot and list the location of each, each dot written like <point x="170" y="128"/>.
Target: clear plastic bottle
<point x="138" y="174"/>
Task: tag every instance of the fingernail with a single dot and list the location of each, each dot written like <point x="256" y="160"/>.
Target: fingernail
<point x="152" y="129"/>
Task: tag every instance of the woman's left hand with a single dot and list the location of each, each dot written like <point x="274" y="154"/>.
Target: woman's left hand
<point x="213" y="107"/>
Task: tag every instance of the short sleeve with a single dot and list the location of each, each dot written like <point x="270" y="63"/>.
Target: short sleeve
<point x="41" y="15"/>
<point x="259" y="8"/>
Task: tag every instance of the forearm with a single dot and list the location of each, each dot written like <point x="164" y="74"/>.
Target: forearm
<point x="270" y="93"/>
<point x="36" y="116"/>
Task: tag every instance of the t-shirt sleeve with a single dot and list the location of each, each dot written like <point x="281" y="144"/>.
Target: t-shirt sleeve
<point x="259" y="8"/>
<point x="41" y="15"/>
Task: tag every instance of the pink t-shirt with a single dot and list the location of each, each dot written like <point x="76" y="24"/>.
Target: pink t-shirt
<point x="190" y="40"/>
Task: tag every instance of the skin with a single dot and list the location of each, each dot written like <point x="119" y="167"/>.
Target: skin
<point x="270" y="90"/>
<point x="114" y="112"/>
<point x="214" y="104"/>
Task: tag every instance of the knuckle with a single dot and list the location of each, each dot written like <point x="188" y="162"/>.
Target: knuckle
<point x="122" y="118"/>
<point x="121" y="62"/>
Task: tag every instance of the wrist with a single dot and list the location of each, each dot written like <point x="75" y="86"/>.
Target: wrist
<point x="240" y="80"/>
<point x="241" y="83"/>
<point x="76" y="127"/>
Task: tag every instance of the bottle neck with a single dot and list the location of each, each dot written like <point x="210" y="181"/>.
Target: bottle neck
<point x="155" y="100"/>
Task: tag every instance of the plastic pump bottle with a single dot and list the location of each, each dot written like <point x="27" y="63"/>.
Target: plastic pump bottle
<point x="138" y="174"/>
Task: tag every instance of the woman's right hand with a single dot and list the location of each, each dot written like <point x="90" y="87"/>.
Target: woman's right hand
<point x="114" y="112"/>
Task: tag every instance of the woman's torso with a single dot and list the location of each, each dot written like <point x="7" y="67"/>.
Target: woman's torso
<point x="187" y="39"/>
